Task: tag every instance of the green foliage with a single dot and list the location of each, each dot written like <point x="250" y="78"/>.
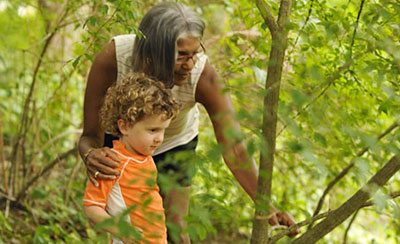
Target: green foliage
<point x="330" y="110"/>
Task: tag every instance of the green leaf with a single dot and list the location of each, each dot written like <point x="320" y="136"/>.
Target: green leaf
<point x="38" y="193"/>
<point x="320" y="138"/>
<point x="92" y="20"/>
<point x="295" y="146"/>
<point x="125" y="228"/>
<point x="104" y="9"/>
<point x="76" y="61"/>
<point x="4" y="223"/>
<point x="316" y="73"/>
<point x="298" y="97"/>
<point x="380" y="199"/>
<point x="264" y="26"/>
<point x="42" y="235"/>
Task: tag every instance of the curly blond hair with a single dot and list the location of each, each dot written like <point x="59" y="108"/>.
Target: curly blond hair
<point x="134" y="98"/>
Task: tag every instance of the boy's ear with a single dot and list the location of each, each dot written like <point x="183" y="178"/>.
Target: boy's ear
<point x="122" y="126"/>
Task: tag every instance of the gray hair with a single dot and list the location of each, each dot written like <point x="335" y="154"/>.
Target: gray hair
<point x="162" y="26"/>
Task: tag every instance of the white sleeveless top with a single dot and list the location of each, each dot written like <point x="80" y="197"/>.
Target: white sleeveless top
<point x="184" y="127"/>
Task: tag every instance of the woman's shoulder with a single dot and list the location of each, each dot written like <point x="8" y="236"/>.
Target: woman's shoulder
<point x="124" y="38"/>
<point x="209" y="88"/>
<point x="208" y="77"/>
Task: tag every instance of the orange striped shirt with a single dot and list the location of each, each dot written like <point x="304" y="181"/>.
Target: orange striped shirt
<point x="135" y="187"/>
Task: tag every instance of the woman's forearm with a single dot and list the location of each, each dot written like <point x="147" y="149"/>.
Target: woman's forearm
<point x="243" y="168"/>
<point x="87" y="142"/>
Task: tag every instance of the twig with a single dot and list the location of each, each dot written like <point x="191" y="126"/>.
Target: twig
<point x="349" y="226"/>
<point x="348" y="167"/>
<point x="278" y="236"/>
<point x="52" y="140"/>
<point x="267" y="15"/>
<point x="23" y="129"/>
<point x="3" y="157"/>
<point x="355" y="202"/>
<point x="70" y="180"/>
<point x="299" y="180"/>
<point x="23" y="125"/>
<point x="361" y="85"/>
<point x="7" y="197"/>
<point x="23" y="191"/>
<point x="284" y="14"/>
<point x="392" y="195"/>
<point x="328" y="82"/>
<point x="305" y="22"/>
<point x="355" y="29"/>
<point x="24" y="119"/>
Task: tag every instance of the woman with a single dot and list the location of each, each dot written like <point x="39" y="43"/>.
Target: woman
<point x="170" y="50"/>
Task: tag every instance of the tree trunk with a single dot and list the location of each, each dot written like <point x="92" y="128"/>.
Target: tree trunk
<point x="271" y="100"/>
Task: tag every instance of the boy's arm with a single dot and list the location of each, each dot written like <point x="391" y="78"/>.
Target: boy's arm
<point x="97" y="215"/>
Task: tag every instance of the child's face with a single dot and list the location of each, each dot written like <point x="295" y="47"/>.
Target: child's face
<point x="145" y="136"/>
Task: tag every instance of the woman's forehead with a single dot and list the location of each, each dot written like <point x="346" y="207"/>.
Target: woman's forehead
<point x="188" y="44"/>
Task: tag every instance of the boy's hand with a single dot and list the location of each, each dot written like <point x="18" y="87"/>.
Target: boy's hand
<point x="131" y="240"/>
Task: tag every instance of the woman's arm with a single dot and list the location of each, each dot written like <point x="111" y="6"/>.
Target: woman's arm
<point x="221" y="111"/>
<point x="102" y="75"/>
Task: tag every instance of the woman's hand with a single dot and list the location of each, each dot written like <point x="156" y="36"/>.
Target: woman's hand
<point x="283" y="218"/>
<point x="100" y="164"/>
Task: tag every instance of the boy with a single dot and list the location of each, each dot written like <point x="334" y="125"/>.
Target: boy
<point x="138" y="110"/>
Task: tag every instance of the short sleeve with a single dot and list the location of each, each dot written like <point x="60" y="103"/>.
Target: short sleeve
<point x="98" y="195"/>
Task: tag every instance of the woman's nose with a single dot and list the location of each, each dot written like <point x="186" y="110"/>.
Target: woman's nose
<point x="189" y="64"/>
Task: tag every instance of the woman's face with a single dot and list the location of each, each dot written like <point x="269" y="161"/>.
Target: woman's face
<point x="188" y="50"/>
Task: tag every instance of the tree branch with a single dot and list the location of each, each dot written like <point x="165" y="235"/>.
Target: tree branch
<point x="4" y="195"/>
<point x="286" y="230"/>
<point x="392" y="195"/>
<point x="349" y="226"/>
<point x="267" y="15"/>
<point x="347" y="169"/>
<point x="350" y="206"/>
<point x="305" y="22"/>
<point x="71" y="178"/>
<point x="3" y="156"/>
<point x="284" y="12"/>
<point x="281" y="234"/>
<point x="23" y="129"/>
<point x="355" y="28"/>
<point x="327" y="84"/>
<point x="63" y="156"/>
